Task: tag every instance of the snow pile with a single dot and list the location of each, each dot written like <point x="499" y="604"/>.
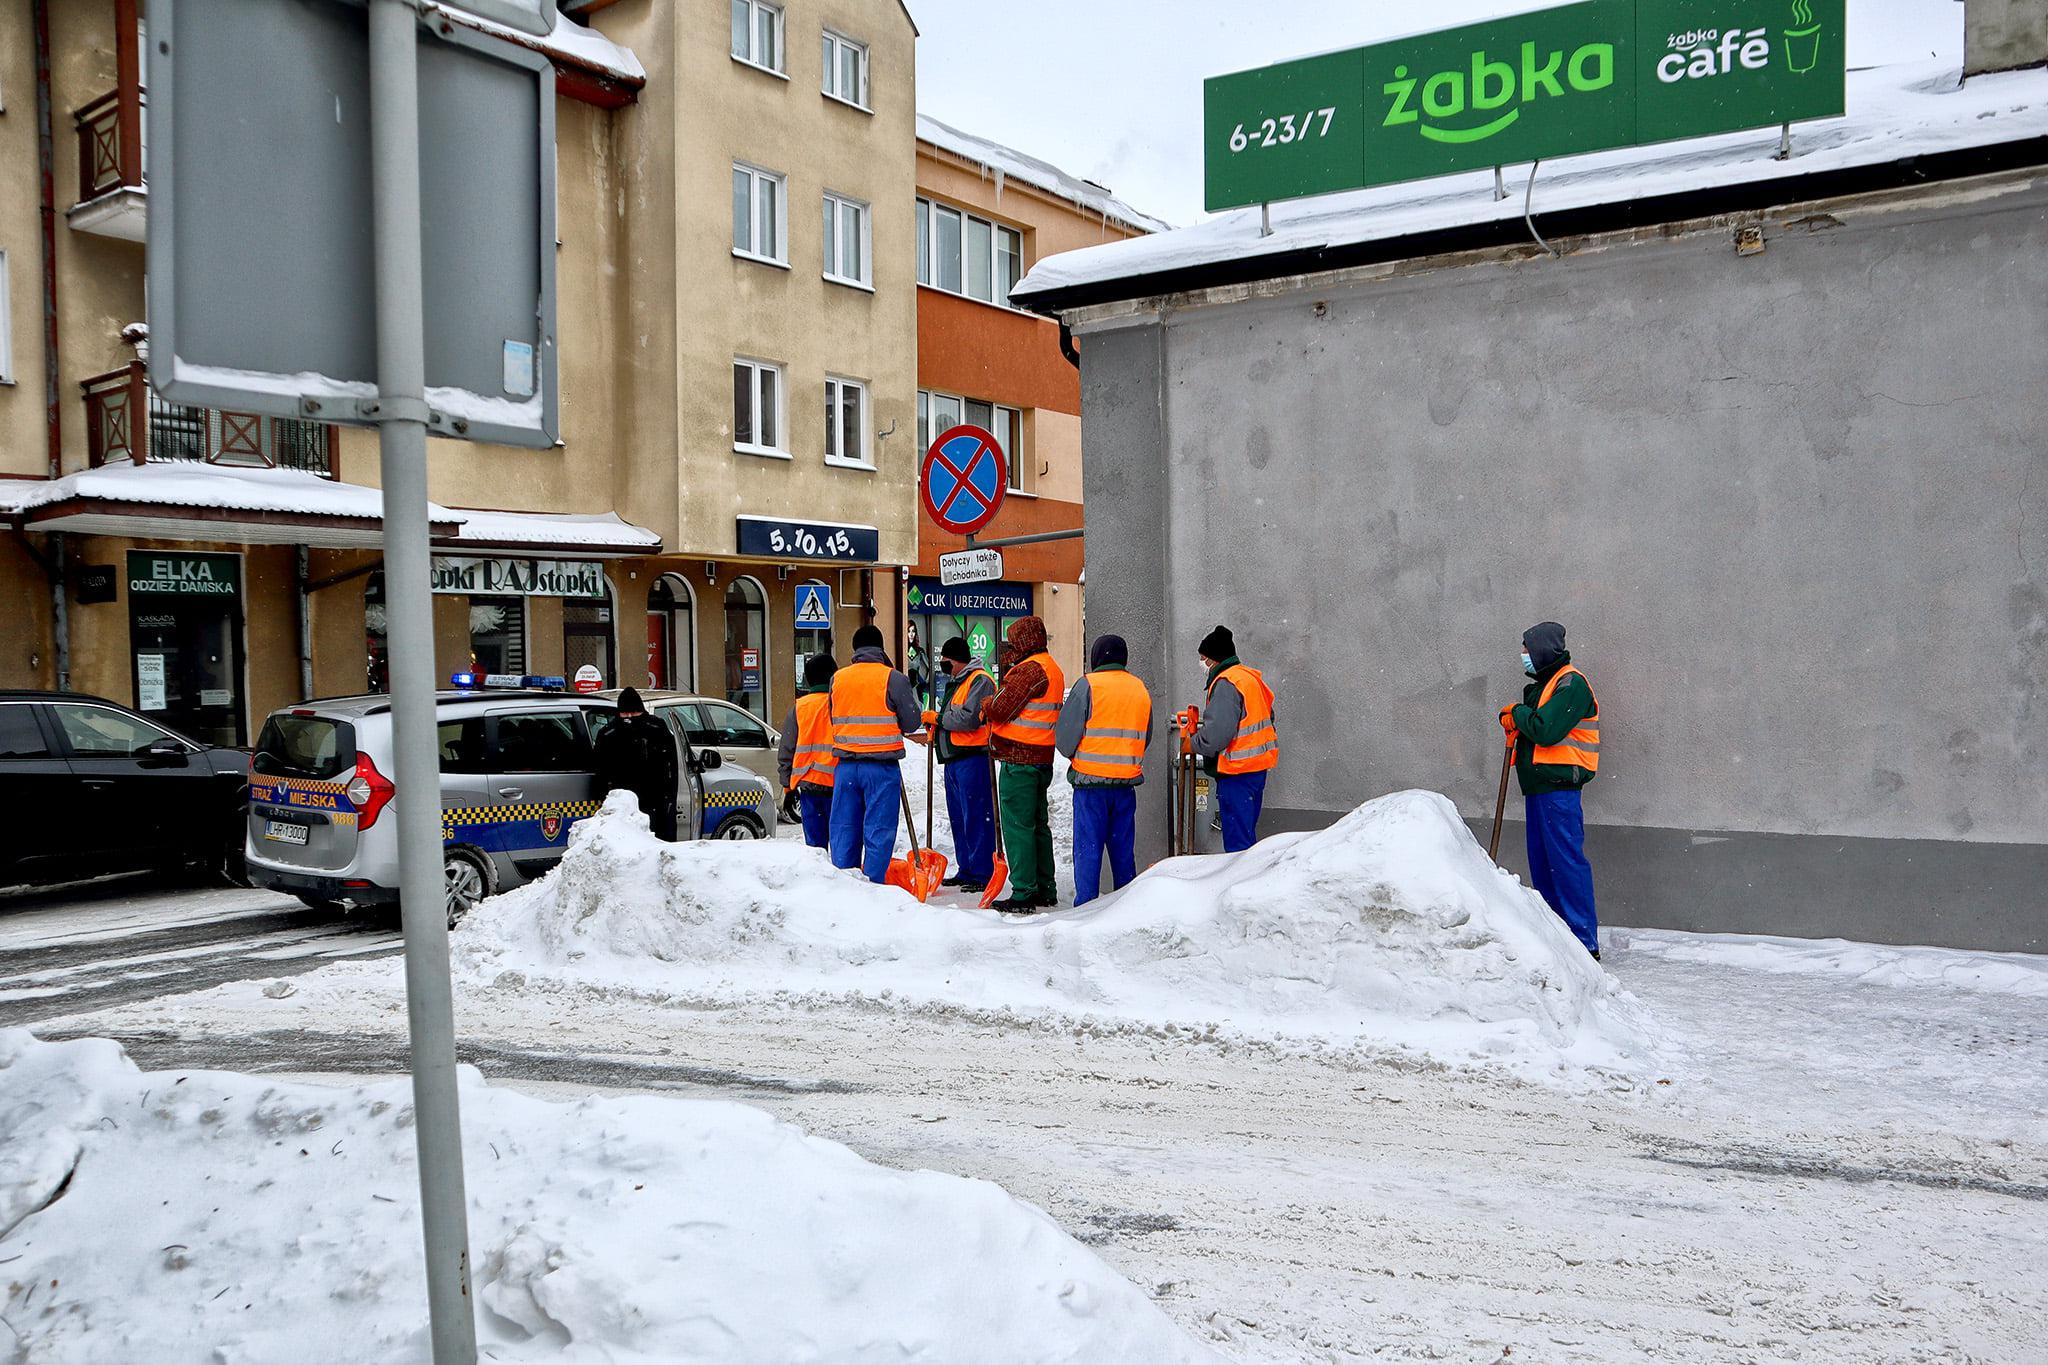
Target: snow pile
<point x="210" y="1216"/>
<point x="1391" y="930"/>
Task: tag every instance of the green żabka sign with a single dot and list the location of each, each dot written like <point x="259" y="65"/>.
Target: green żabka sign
<point x="1578" y="78"/>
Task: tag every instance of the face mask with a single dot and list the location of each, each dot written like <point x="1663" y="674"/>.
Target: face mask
<point x="1528" y="665"/>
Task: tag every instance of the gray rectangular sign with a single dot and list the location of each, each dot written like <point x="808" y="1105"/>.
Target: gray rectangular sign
<point x="261" y="254"/>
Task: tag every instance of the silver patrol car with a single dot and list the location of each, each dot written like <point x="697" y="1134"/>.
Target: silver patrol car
<point x="516" y="774"/>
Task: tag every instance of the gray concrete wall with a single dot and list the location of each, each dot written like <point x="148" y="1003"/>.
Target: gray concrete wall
<point x="1792" y="508"/>
<point x="1999" y="35"/>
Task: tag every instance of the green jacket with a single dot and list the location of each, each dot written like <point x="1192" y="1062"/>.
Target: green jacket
<point x="1570" y="704"/>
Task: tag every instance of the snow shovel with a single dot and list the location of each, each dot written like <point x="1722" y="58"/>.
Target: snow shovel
<point x="920" y="873"/>
<point x="991" y="893"/>
<point x="1500" y="802"/>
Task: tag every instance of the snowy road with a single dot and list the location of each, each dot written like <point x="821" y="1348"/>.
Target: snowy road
<point x="1849" y="1164"/>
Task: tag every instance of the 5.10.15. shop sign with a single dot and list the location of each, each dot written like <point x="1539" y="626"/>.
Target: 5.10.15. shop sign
<point x="1576" y="78"/>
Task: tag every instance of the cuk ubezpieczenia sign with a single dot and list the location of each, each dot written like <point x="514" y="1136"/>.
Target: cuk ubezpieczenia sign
<point x="1577" y="78"/>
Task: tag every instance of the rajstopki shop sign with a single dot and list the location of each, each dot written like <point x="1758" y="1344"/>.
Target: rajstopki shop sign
<point x="1577" y="78"/>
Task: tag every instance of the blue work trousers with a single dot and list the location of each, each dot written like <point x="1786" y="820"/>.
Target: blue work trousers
<point x="1239" y="797"/>
<point x="815" y="806"/>
<point x="971" y="811"/>
<point x="866" y="796"/>
<point x="1105" y="818"/>
<point x="1557" y="862"/>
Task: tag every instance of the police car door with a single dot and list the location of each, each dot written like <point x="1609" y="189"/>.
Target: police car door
<point x="690" y="803"/>
<point x="540" y="782"/>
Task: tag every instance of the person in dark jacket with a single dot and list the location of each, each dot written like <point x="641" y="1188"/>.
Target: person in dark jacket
<point x="804" y="756"/>
<point x="873" y="711"/>
<point x="962" y="737"/>
<point x="1023" y="717"/>
<point x="1556" y="733"/>
<point x="1105" y="728"/>
<point x="637" y="753"/>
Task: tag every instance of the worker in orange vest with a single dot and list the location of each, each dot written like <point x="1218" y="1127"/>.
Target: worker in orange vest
<point x="804" y="757"/>
<point x="1556" y="733"/>
<point x="873" y="709"/>
<point x="1236" y="738"/>
<point x="1105" y="728"/>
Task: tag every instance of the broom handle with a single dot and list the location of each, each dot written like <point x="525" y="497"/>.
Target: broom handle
<point x="1500" y="801"/>
<point x="995" y="805"/>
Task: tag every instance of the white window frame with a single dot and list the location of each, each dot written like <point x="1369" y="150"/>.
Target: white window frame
<point x="754" y="11"/>
<point x="928" y="210"/>
<point x="836" y="390"/>
<point x="6" y="325"/>
<point x="830" y="45"/>
<point x="1013" y="453"/>
<point x="759" y="176"/>
<point x="757" y="365"/>
<point x="839" y="204"/>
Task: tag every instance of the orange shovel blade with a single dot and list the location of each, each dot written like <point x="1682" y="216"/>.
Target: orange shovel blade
<point x="899" y="875"/>
<point x="927" y="870"/>
<point x="993" y="892"/>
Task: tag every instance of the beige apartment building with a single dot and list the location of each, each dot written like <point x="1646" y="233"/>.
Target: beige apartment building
<point x="737" y="350"/>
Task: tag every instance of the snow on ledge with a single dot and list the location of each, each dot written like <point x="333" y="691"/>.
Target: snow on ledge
<point x="570" y="41"/>
<point x="1894" y="112"/>
<point x="1000" y="163"/>
<point x="569" y="530"/>
<point x="231" y="488"/>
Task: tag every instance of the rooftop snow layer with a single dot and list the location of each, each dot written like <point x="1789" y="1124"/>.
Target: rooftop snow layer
<point x="622" y="1229"/>
<point x="1894" y="112"/>
<point x="234" y="488"/>
<point x="1003" y="162"/>
<point x="570" y="529"/>
<point x="1390" y="931"/>
<point x="570" y="41"/>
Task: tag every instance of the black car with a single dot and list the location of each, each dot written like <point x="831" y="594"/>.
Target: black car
<point x="89" y="786"/>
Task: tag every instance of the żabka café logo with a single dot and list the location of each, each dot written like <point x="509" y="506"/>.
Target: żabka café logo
<point x="1496" y="87"/>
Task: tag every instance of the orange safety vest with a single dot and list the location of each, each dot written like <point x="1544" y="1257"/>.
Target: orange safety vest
<point x="1119" y="714"/>
<point x="1256" y="746"/>
<point x="1039" y="721"/>
<point x="814" y="757"/>
<point x="976" y="738"/>
<point x="1581" y="747"/>
<point x="863" y="725"/>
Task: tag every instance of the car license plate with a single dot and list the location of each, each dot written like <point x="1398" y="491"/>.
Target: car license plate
<point x="284" y="831"/>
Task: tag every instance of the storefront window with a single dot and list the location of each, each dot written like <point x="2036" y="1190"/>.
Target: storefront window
<point x="671" y="635"/>
<point x="185" y="639"/>
<point x="376" y="642"/>
<point x="587" y="638"/>
<point x="746" y="639"/>
<point x="497" y="634"/>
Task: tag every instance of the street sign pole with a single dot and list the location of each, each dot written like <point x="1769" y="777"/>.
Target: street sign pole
<point x="402" y="448"/>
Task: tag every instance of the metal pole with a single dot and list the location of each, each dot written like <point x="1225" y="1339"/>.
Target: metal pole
<point x="1265" y="220"/>
<point x="408" y="604"/>
<point x="1500" y="184"/>
<point x="1036" y="538"/>
<point x="1784" y="142"/>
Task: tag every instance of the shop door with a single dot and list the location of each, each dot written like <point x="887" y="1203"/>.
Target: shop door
<point x="185" y="636"/>
<point x="587" y="639"/>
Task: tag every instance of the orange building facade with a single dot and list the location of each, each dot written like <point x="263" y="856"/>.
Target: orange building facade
<point x="985" y="215"/>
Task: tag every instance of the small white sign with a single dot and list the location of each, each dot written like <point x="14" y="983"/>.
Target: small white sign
<point x="589" y="679"/>
<point x="149" y="682"/>
<point x="970" y="566"/>
<point x="216" y="696"/>
<point x="519" y="368"/>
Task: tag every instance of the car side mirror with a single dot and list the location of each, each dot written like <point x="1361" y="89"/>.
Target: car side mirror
<point x="707" y="759"/>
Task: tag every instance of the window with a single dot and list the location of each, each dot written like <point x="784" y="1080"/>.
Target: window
<point x="20" y="737"/>
<point x="497" y="635"/>
<point x="541" y="742"/>
<point x="728" y="725"/>
<point x="6" y="332"/>
<point x="671" y="634"/>
<point x="846" y="240"/>
<point x="759" y="205"/>
<point x="962" y="254"/>
<point x="845" y="422"/>
<point x="757" y="34"/>
<point x="937" y="412"/>
<point x="96" y="732"/>
<point x="587" y="637"/>
<point x="757" y="407"/>
<point x="305" y="746"/>
<point x="746" y="647"/>
<point x="845" y="69"/>
<point x="462" y="745"/>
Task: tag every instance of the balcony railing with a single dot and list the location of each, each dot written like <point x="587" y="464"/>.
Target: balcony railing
<point x="125" y="419"/>
<point x="110" y="143"/>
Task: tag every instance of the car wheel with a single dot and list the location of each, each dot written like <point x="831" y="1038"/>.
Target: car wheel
<point x="233" y="867"/>
<point x="467" y="883"/>
<point x="741" y="826"/>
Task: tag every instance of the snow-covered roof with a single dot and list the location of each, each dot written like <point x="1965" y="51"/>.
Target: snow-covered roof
<point x="1894" y="113"/>
<point x="258" y="505"/>
<point x="586" y="531"/>
<point x="570" y="41"/>
<point x="1005" y="163"/>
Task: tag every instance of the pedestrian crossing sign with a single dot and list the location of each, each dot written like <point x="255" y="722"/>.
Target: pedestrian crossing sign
<point x="813" y="606"/>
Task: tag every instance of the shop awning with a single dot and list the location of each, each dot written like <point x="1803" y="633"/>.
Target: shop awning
<point x="263" y="506"/>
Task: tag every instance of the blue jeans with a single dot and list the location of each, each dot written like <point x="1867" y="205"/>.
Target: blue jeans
<point x="971" y="811"/>
<point x="1104" y="818"/>
<point x="866" y="794"/>
<point x="1239" y="798"/>
<point x="816" y="809"/>
<point x="1557" y="862"/>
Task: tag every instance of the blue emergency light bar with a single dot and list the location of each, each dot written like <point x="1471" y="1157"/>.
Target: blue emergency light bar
<point x="538" y="682"/>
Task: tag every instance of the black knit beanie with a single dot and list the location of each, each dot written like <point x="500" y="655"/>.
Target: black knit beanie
<point x="1108" y="649"/>
<point x="1218" y="645"/>
<point x="818" y="670"/>
<point x="867" y="637"/>
<point x="956" y="650"/>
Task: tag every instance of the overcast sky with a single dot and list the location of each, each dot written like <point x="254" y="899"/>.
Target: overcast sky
<point x="1112" y="89"/>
